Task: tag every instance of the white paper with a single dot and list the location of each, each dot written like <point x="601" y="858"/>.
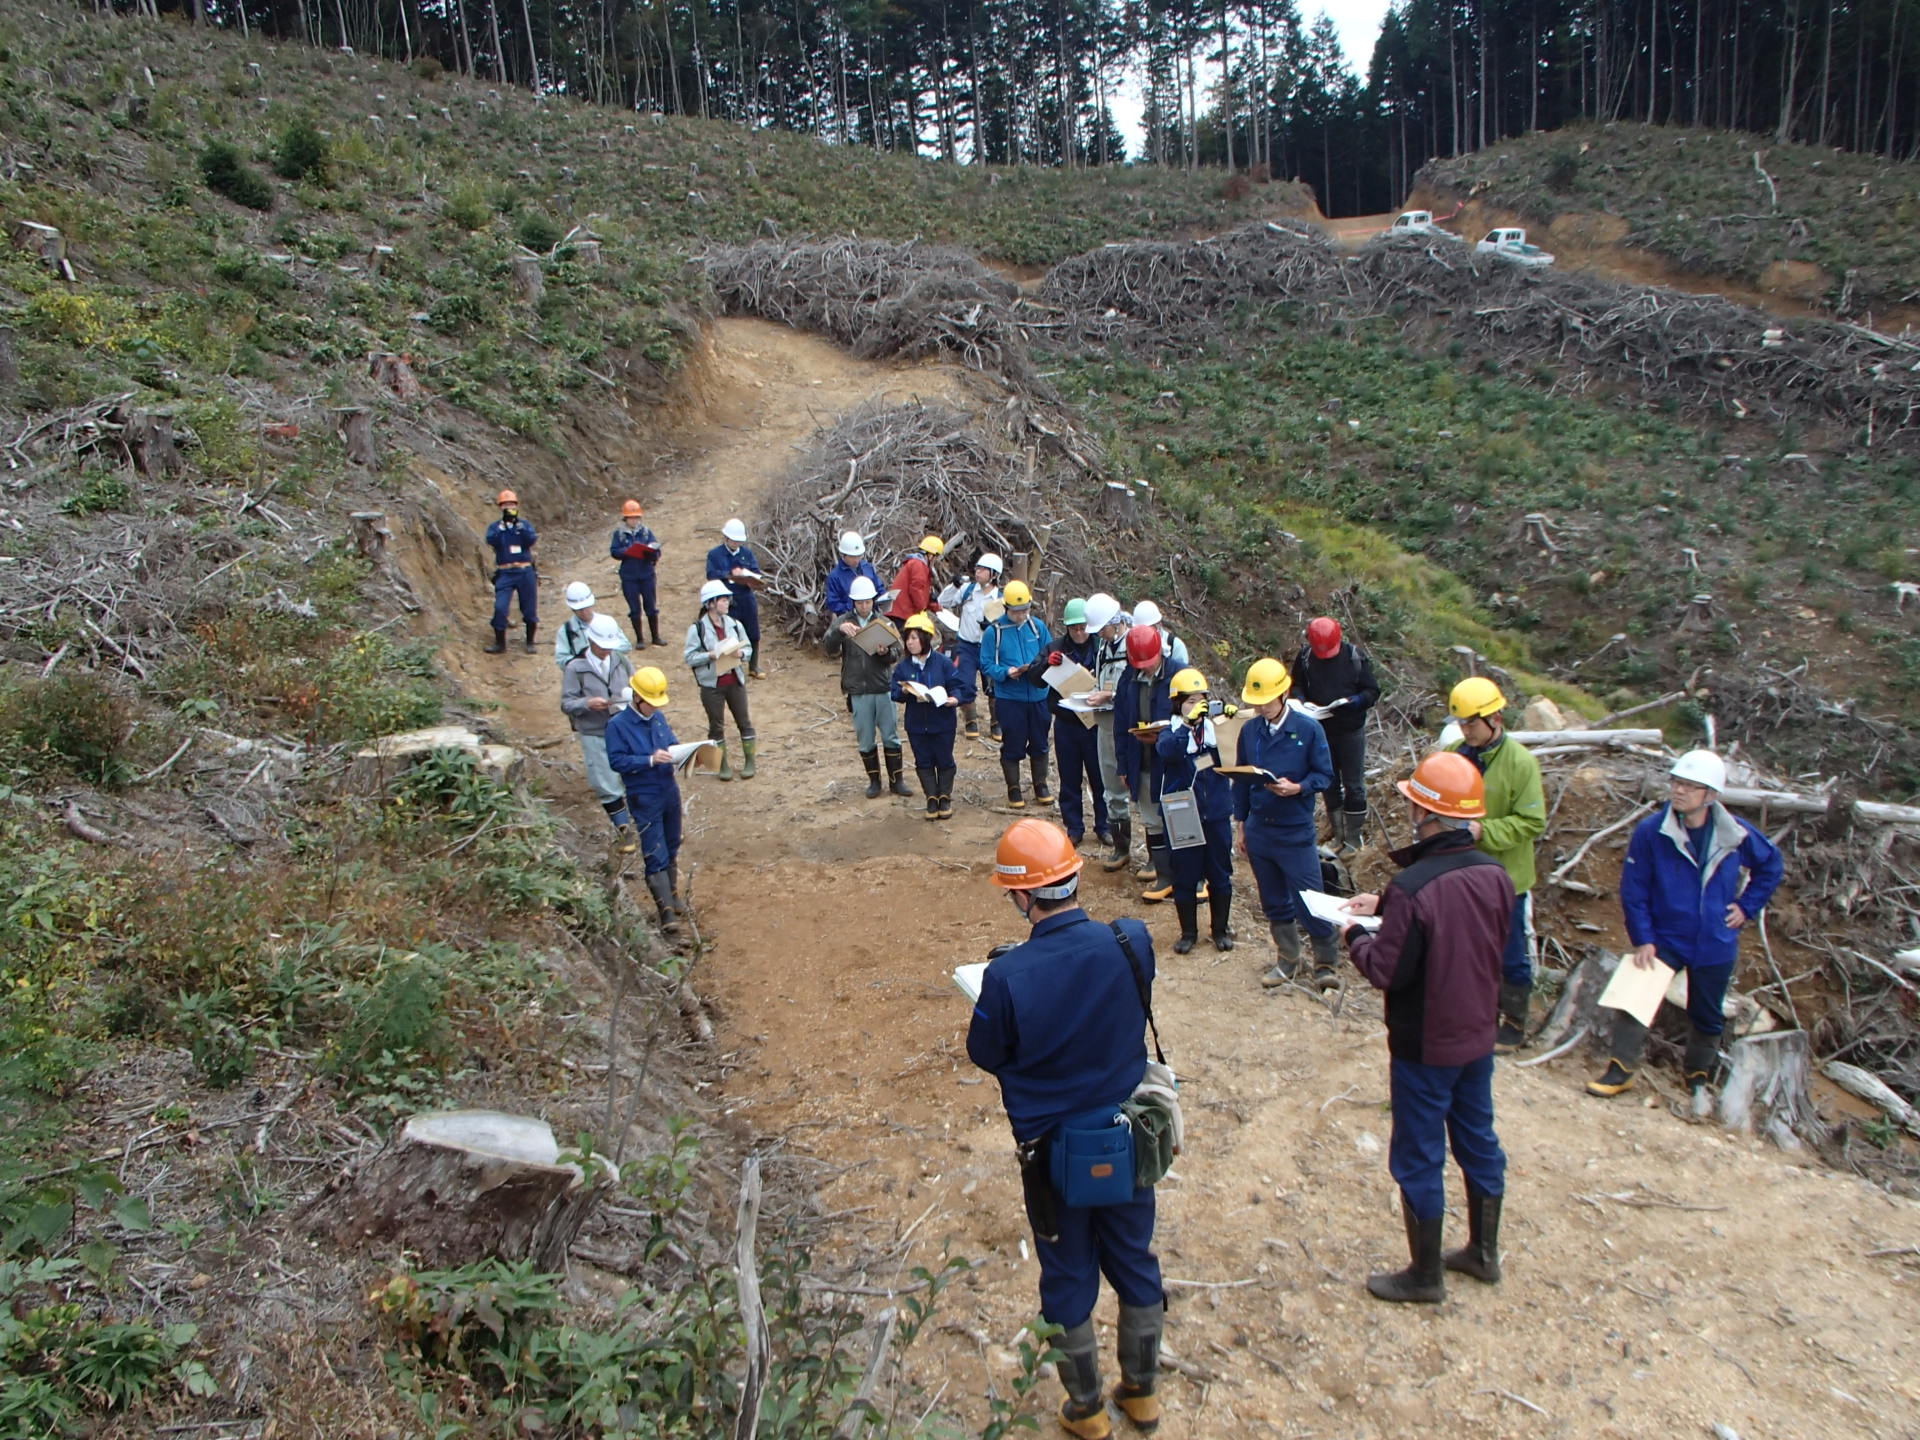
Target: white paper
<point x="1069" y="678"/>
<point x="948" y="619"/>
<point x="1636" y="991"/>
<point x="937" y="694"/>
<point x="728" y="645"/>
<point x="685" y="751"/>
<point x="970" y="978"/>
<point x="1333" y="909"/>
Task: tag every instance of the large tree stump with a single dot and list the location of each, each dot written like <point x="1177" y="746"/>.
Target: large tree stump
<point x="9" y="359"/>
<point x="47" y="243"/>
<point x="148" y="436"/>
<point x="370" y="534"/>
<point x="463" y="1185"/>
<point x="356" y="431"/>
<point x="1119" y="505"/>
<point x="1766" y="1088"/>
<point x="396" y="373"/>
<point x="531" y="279"/>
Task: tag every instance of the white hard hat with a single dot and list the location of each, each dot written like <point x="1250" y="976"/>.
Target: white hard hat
<point x="990" y="561"/>
<point x="579" y="595"/>
<point x="605" y="632"/>
<point x="1102" y="610"/>
<point x="862" y="589"/>
<point x="1145" y="612"/>
<point x="1701" y="767"/>
<point x="713" y="590"/>
<point x="852" y="544"/>
<point x="735" y="531"/>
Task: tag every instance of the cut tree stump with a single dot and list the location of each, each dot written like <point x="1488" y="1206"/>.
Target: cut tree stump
<point x="1119" y="505"/>
<point x="370" y="534"/>
<point x="148" y="437"/>
<point x="395" y="372"/>
<point x="371" y="768"/>
<point x="47" y="243"/>
<point x="531" y="279"/>
<point x="463" y="1185"/>
<point x="356" y="432"/>
<point x="1766" y="1088"/>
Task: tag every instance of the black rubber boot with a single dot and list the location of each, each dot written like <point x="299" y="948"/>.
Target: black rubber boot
<point x="660" y="886"/>
<point x="1011" y="769"/>
<point x="1137" y="1346"/>
<point x="1286" y="953"/>
<point x="1188" y="909"/>
<point x="1424" y="1280"/>
<point x="1326" y="961"/>
<point x="1353" y="825"/>
<point x="1701" y="1059"/>
<point x="1160" y="856"/>
<point x="1514" y="1003"/>
<point x="970" y="721"/>
<point x="653" y="624"/>
<point x="871" y="759"/>
<point x="1480" y="1257"/>
<point x="532" y="630"/>
<point x="499" y="646"/>
<point x="1629" y="1044"/>
<point x="1219" y="915"/>
<point x="1122" y="850"/>
<point x="1042" y="790"/>
<point x="1084" y="1412"/>
<point x="896" y="778"/>
<point x="929" y="787"/>
<point x="944" y="780"/>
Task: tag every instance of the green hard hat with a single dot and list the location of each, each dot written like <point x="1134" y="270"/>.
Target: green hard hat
<point x="1075" y="613"/>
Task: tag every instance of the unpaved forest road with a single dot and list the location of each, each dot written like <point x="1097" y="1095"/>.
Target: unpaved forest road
<point x="835" y="921"/>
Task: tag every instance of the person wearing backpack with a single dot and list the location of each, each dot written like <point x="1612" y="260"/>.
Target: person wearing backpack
<point x="720" y="656"/>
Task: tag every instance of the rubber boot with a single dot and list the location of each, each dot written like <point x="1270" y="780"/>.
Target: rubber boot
<point x="993" y="717"/>
<point x="1084" y="1412"/>
<point x="871" y="759"/>
<point x="653" y="624"/>
<point x="726" y="763"/>
<point x="1326" y="961"/>
<point x="1286" y="947"/>
<point x="1042" y="790"/>
<point x="1480" y="1257"/>
<point x="1219" y="913"/>
<point x="1011" y="769"/>
<point x="660" y="886"/>
<point x="499" y="646"/>
<point x="1424" y="1280"/>
<point x="1137" y="1347"/>
<point x="896" y="781"/>
<point x="1161" y="886"/>
<point x="1188" y="909"/>
<point x="748" y="769"/>
<point x="1353" y="825"/>
<point x="1629" y="1044"/>
<point x="970" y="719"/>
<point x="1122" y="850"/>
<point x="532" y="630"/>
<point x="943" y="778"/>
<point x="1702" y="1056"/>
<point x="929" y="787"/>
<point x="1514" y="1002"/>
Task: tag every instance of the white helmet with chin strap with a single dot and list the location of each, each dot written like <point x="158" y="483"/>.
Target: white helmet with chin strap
<point x="1701" y="767"/>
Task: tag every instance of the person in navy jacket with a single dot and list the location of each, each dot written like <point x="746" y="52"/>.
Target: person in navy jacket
<point x="853" y="563"/>
<point x="1695" y="874"/>
<point x="1189" y="752"/>
<point x="639" y="742"/>
<point x="734" y="563"/>
<point x="930" y="727"/>
<point x="1060" y="1022"/>
<point x="1276" y="820"/>
<point x="637" y="549"/>
<point x="512" y="540"/>
<point x="1142" y="698"/>
<point x="1076" y="745"/>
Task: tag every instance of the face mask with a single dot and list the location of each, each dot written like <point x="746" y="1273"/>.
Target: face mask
<point x="509" y="515"/>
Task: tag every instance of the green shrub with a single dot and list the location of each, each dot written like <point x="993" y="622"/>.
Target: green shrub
<point x="537" y="231"/>
<point x="1562" y="170"/>
<point x="396" y="1023"/>
<point x="229" y="175"/>
<point x="468" y="206"/>
<point x="301" y="153"/>
<point x="78" y="722"/>
<point x="104" y="490"/>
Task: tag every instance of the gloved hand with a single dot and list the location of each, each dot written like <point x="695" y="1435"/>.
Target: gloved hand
<point x="1054" y="657"/>
<point x="1229" y="710"/>
<point x="1197" y="716"/>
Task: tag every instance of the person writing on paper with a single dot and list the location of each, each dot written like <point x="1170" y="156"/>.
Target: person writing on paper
<point x="1189" y="761"/>
<point x="1276" y="820"/>
<point x="1060" y="1022"/>
<point x="736" y="564"/>
<point x="853" y="565"/>
<point x="637" y="549"/>
<point x="1109" y="624"/>
<point x="592" y="687"/>
<point x="639" y="748"/>
<point x="1335" y="679"/>
<point x="1076" y="745"/>
<point x="720" y="654"/>
<point x="931" y="721"/>
<point x="968" y="600"/>
<point x="1695" y="874"/>
<point x="1144" y="698"/>
<point x="866" y="679"/>
<point x="1437" y="956"/>
<point x="1013" y="653"/>
<point x="913" y="582"/>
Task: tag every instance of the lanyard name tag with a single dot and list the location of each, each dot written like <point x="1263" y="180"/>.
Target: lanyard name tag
<point x="513" y="549"/>
<point x="1182" y="812"/>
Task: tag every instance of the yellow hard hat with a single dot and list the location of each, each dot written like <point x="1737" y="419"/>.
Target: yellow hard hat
<point x="933" y="545"/>
<point x="922" y="621"/>
<point x="1267" y="681"/>
<point x="1475" y="696"/>
<point x="650" y="684"/>
<point x="1187" y="682"/>
<point x="1016" y="594"/>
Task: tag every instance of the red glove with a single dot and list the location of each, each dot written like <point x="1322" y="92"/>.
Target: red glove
<point x="1055" y="658"/>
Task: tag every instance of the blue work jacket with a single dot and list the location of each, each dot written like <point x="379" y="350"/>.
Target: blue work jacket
<point x="1212" y="791"/>
<point x="935" y="669"/>
<point x="625" y="537"/>
<point x="1134" y="704"/>
<point x="631" y="740"/>
<point x="1296" y="750"/>
<point x="1059" y="1021"/>
<point x="840" y="581"/>
<point x="722" y="562"/>
<point x="1678" y="901"/>
<point x="512" y="542"/>
<point x="1006" y="646"/>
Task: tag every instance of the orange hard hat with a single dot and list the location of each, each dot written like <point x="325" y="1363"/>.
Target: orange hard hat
<point x="1447" y="783"/>
<point x="631" y="510"/>
<point x="1036" y="855"/>
<point x="507" y="497"/>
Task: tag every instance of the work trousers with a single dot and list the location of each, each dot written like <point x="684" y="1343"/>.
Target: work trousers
<point x="875" y="716"/>
<point x="932" y="751"/>
<point x="1435" y="1104"/>
<point x="1111" y="780"/>
<point x="1111" y="1240"/>
<point x="1280" y="872"/>
<point x="639" y="590"/>
<point x="746" y="609"/>
<point x="607" y="786"/>
<point x="1349" y="789"/>
<point x="509" y="583"/>
<point x="1023" y="729"/>
<point x="1516" y="961"/>
<point x="1706" y="995"/>
<point x="1078" y="750"/>
<point x="659" y="822"/>
<point x="1146" y="804"/>
<point x="717" y="700"/>
<point x="1211" y="862"/>
<point x="966" y="659"/>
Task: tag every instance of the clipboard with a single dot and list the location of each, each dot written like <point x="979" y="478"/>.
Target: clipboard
<point x="1070" y="678"/>
<point x="753" y="580"/>
<point x="875" y="636"/>
<point x="1249" y="772"/>
<point x="695" y="755"/>
<point x="992" y="611"/>
<point x="948" y="619"/>
<point x="1332" y="909"/>
<point x="1636" y="991"/>
<point x="1149" y="731"/>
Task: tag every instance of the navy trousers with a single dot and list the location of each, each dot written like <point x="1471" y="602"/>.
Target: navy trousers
<point x="1707" y="996"/>
<point x="931" y="752"/>
<point x="1280" y="873"/>
<point x="509" y="583"/>
<point x="1349" y="789"/>
<point x="1023" y="729"/>
<point x="1435" y="1104"/>
<point x="1111" y="1240"/>
<point x="1077" y="747"/>
<point x="1516" y="961"/>
<point x="659" y="825"/>
<point x="1212" y="862"/>
<point x="746" y="609"/>
<point x="639" y="590"/>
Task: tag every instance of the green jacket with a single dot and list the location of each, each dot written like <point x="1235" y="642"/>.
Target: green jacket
<point x="1516" y="810"/>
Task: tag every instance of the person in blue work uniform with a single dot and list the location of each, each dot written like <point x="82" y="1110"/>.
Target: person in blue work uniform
<point x="930" y="726"/>
<point x="512" y="539"/>
<point x="1276" y="820"/>
<point x="968" y="601"/>
<point x="1143" y="698"/>
<point x="1190" y="760"/>
<point x="1061" y="1023"/>
<point x="1695" y="874"/>
<point x="852" y="565"/>
<point x="1108" y="625"/>
<point x="1013" y="653"/>
<point x="637" y="549"/>
<point x="570" y="640"/>
<point x="639" y="742"/>
<point x="734" y="563"/>
<point x="1076" y="744"/>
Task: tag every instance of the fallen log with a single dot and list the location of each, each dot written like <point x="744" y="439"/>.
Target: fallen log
<point x="1875" y="1091"/>
<point x="1794" y="803"/>
<point x="1579" y="1003"/>
<point x="1607" y="739"/>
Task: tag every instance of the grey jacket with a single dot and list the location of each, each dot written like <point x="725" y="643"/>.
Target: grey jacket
<point x="579" y="683"/>
<point x="702" y="637"/>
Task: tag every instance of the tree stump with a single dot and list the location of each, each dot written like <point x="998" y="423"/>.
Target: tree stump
<point x="370" y="534"/>
<point x="395" y="372"/>
<point x="378" y="256"/>
<point x="463" y="1185"/>
<point x="47" y="243"/>
<point x="531" y="279"/>
<point x="1766" y="1088"/>
<point x="9" y="359"/>
<point x="356" y="430"/>
<point x="1119" y="504"/>
<point x="148" y="438"/>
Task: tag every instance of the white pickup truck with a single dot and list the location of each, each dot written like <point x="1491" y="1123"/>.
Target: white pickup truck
<point x="1418" y="222"/>
<point x="1511" y="245"/>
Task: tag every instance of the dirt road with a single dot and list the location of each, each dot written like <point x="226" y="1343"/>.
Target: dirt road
<point x="1661" y="1278"/>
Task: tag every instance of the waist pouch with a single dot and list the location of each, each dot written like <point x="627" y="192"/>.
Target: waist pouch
<point x="1093" y="1161"/>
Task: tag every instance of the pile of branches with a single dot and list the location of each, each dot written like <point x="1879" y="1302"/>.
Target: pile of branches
<point x="897" y="473"/>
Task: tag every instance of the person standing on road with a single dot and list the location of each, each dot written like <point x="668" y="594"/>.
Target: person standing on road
<point x="1061" y="1024"/>
<point x="866" y="679"/>
<point x="852" y="565"/>
<point x="1145" y="612"/>
<point x="1076" y="745"/>
<point x="1443" y="927"/>
<point x="1144" y="699"/>
<point x="1276" y="820"/>
<point x="1516" y="818"/>
<point x="1108" y="624"/>
<point x="1695" y="874"/>
<point x="570" y="640"/>
<point x="913" y="582"/>
<point x="637" y="549"/>
<point x="593" y="686"/>
<point x="512" y="540"/>
<point x="968" y="601"/>
<point x="639" y="747"/>
<point x="720" y="655"/>
<point x="1013" y="653"/>
<point x="1190" y="761"/>
<point x="1337" y="677"/>
<point x="734" y="563"/>
<point x="930" y="724"/>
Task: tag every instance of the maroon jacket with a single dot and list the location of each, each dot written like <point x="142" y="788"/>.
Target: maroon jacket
<point x="1443" y="927"/>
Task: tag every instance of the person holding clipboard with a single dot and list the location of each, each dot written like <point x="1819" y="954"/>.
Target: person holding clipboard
<point x="720" y="653"/>
<point x="933" y="689"/>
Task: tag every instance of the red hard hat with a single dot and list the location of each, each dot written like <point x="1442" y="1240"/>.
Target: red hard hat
<point x="1143" y="647"/>
<point x="1323" y="634"/>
